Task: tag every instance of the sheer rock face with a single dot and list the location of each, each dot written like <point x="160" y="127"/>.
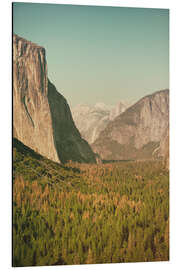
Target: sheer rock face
<point x="137" y="132"/>
<point x="32" y="119"/>
<point x="33" y="115"/>
<point x="68" y="141"/>
<point x="164" y="148"/>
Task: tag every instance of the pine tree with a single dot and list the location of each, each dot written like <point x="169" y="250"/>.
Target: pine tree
<point x="89" y="259"/>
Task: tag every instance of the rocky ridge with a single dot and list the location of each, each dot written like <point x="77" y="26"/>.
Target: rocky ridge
<point x="137" y="132"/>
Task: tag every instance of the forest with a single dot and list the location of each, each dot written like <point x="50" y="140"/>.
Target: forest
<point x="88" y="214"/>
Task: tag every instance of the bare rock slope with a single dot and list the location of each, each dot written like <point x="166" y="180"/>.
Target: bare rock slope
<point x="137" y="132"/>
<point x="41" y="116"/>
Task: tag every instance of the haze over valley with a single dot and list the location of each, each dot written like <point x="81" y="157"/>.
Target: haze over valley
<point x="91" y="120"/>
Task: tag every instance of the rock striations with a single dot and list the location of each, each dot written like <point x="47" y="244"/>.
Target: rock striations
<point x="41" y="116"/>
<point x="32" y="119"/>
<point x="137" y="132"/>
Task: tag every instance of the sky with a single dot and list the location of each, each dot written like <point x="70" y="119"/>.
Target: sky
<point x="99" y="54"/>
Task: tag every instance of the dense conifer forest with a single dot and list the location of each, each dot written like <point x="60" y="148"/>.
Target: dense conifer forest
<point x="83" y="214"/>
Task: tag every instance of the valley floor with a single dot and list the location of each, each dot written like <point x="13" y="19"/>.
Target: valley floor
<point x="83" y="214"/>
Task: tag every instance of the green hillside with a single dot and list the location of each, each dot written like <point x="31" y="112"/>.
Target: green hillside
<point x="82" y="213"/>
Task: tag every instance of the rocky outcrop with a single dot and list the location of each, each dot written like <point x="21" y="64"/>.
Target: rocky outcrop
<point x="91" y="120"/>
<point x="137" y="132"/>
<point x="43" y="124"/>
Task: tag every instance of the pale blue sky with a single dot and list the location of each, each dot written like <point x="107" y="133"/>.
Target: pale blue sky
<point x="98" y="54"/>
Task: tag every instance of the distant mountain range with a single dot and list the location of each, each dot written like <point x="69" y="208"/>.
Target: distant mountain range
<point x="138" y="132"/>
<point x="91" y="120"/>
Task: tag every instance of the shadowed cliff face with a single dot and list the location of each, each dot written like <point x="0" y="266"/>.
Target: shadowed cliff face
<point x="136" y="133"/>
<point x="42" y="119"/>
<point x="68" y="141"/>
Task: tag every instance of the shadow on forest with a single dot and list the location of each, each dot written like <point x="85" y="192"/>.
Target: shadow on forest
<point x="26" y="151"/>
<point x="104" y="161"/>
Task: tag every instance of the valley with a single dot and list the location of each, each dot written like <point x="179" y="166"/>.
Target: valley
<point x="88" y="213"/>
<point x="90" y="185"/>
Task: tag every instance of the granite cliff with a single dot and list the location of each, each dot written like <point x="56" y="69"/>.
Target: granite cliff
<point x="163" y="150"/>
<point x="138" y="132"/>
<point x="41" y="116"/>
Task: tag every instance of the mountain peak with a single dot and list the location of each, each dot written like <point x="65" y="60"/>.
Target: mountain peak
<point x="17" y="39"/>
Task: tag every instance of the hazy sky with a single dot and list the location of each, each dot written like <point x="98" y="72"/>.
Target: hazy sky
<point x="99" y="54"/>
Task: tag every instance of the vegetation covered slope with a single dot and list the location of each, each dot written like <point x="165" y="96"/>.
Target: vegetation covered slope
<point x="85" y="213"/>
